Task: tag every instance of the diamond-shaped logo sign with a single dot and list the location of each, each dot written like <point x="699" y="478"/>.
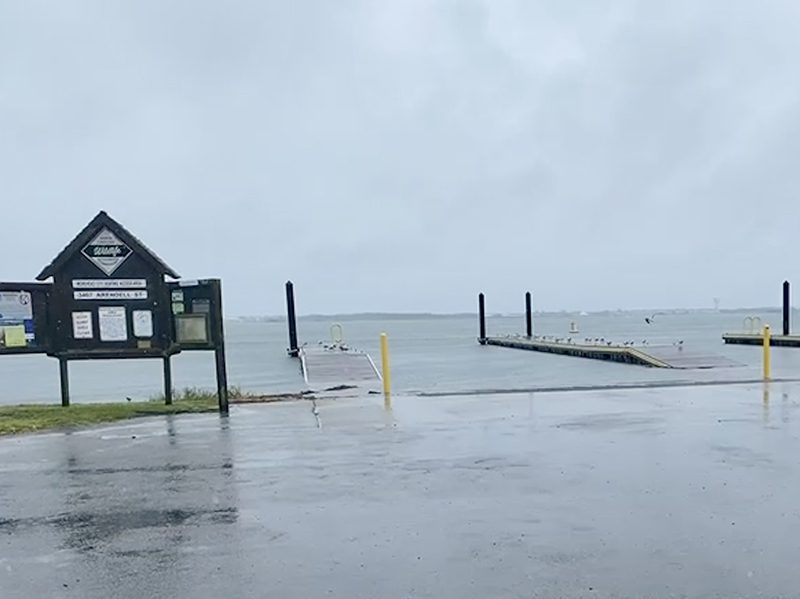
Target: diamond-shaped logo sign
<point x="106" y="251"/>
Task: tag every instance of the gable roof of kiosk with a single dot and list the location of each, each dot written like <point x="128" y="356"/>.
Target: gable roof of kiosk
<point x="98" y="223"/>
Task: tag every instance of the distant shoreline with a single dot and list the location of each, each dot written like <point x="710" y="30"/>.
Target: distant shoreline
<point x="458" y="315"/>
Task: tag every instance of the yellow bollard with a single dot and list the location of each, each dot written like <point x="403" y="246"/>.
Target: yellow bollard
<point x="386" y="371"/>
<point x="767" y="337"/>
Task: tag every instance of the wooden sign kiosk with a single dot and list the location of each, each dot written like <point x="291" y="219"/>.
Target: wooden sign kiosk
<point x="110" y="299"/>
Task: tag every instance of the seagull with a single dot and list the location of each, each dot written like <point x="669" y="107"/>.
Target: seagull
<point x="651" y="319"/>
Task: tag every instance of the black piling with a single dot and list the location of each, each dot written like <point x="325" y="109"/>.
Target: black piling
<point x="482" y="319"/>
<point x="528" y="316"/>
<point x="293" y="350"/>
<point x="786" y="309"/>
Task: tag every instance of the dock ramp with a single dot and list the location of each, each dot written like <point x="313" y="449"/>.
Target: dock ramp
<point x="337" y="366"/>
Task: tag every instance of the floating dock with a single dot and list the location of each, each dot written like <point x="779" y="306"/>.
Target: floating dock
<point x="758" y="339"/>
<point x="333" y="363"/>
<point x="337" y="366"/>
<point x="655" y="356"/>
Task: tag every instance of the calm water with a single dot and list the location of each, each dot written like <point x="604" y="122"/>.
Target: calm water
<point x="438" y="354"/>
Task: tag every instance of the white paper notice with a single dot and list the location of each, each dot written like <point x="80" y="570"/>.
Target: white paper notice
<point x="142" y="323"/>
<point x="113" y="325"/>
<point x="82" y="325"/>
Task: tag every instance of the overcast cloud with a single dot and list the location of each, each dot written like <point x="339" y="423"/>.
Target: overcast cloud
<point x="403" y="155"/>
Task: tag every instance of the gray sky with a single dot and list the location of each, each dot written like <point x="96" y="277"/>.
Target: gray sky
<point x="403" y="155"/>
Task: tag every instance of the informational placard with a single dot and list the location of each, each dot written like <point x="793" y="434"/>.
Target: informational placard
<point x="15" y="305"/>
<point x="201" y="306"/>
<point x="191" y="328"/>
<point x="112" y="294"/>
<point x="16" y="319"/>
<point x="113" y="323"/>
<point x="142" y="323"/>
<point x="82" y="325"/>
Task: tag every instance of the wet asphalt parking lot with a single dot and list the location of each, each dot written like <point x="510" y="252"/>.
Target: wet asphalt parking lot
<point x="679" y="492"/>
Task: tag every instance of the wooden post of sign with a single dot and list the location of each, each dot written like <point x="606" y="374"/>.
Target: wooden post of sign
<point x="219" y="350"/>
<point x="167" y="381"/>
<point x="63" y="371"/>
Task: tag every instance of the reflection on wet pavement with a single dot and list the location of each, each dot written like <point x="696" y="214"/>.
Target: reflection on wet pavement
<point x="625" y="493"/>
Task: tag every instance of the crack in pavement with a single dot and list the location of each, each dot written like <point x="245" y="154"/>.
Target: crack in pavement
<point x="315" y="411"/>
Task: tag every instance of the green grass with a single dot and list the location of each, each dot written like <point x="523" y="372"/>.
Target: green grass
<point x="30" y="418"/>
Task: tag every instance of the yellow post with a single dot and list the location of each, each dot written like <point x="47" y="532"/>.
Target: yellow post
<point x="385" y="370"/>
<point x="766" y="352"/>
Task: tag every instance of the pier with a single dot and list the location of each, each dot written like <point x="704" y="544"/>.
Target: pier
<point x="655" y="356"/>
<point x="753" y="328"/>
<point x="758" y="339"/>
<point x="333" y="363"/>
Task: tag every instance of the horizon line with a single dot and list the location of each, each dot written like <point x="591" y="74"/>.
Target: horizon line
<point x="511" y="314"/>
